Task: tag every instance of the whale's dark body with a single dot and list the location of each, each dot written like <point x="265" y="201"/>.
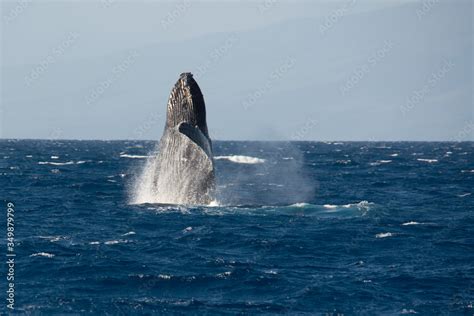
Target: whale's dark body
<point x="185" y="160"/>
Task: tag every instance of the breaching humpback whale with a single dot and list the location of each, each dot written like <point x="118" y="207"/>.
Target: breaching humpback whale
<point x="185" y="166"/>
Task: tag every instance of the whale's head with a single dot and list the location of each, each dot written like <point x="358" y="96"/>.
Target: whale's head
<point x="186" y="104"/>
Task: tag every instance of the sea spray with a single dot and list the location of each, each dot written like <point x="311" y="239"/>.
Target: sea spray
<point x="174" y="176"/>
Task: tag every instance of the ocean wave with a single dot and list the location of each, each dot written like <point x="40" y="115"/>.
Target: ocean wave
<point x="134" y="156"/>
<point x="114" y="242"/>
<point x="344" y="162"/>
<point x="52" y="238"/>
<point x="276" y="185"/>
<point x="361" y="205"/>
<point x="380" y="162"/>
<point x="42" y="254"/>
<point x="52" y="163"/>
<point x="241" y="159"/>
<point x="223" y="275"/>
<point x="300" y="204"/>
<point x="427" y="160"/>
<point x="411" y="223"/>
<point x="345" y="210"/>
<point x="384" y="235"/>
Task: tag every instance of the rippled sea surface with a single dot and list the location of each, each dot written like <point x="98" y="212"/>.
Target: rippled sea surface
<point x="297" y="228"/>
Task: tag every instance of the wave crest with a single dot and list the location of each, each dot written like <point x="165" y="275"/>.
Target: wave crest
<point x="241" y="159"/>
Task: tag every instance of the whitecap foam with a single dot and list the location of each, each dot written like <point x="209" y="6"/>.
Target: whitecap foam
<point x="114" y="242"/>
<point x="394" y="155"/>
<point x="54" y="157"/>
<point x="241" y="159"/>
<point x="408" y="311"/>
<point x="52" y="238"/>
<point x="361" y="205"/>
<point x="427" y="160"/>
<point x="344" y="162"/>
<point x="224" y="274"/>
<point x="383" y="235"/>
<point x="133" y="156"/>
<point x="52" y="163"/>
<point x="410" y="223"/>
<point x="42" y="254"/>
<point x="380" y="162"/>
<point x="129" y="233"/>
<point x="330" y="206"/>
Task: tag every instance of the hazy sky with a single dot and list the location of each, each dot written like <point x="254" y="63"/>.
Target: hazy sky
<point x="270" y="69"/>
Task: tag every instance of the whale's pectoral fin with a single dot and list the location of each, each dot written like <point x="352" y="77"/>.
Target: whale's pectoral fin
<point x="196" y="136"/>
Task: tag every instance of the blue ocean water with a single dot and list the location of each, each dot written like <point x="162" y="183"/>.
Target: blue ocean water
<point x="305" y="228"/>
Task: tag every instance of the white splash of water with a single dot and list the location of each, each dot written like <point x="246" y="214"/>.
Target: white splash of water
<point x="173" y="174"/>
<point x="144" y="190"/>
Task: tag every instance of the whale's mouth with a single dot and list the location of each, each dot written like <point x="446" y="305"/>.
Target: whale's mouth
<point x="186" y="104"/>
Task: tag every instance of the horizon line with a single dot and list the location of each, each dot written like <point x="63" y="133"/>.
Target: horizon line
<point x="243" y="140"/>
